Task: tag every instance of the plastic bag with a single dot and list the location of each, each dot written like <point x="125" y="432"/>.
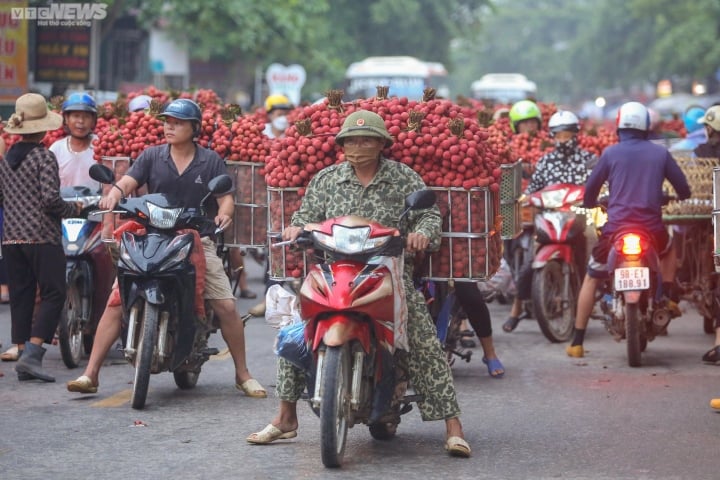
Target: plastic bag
<point x="291" y="345"/>
<point x="281" y="307"/>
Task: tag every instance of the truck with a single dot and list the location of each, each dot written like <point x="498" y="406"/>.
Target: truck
<point x="406" y="76"/>
<point x="503" y="88"/>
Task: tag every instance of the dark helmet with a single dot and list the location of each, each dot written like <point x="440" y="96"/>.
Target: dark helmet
<point x="182" y="109"/>
<point x="79" y="102"/>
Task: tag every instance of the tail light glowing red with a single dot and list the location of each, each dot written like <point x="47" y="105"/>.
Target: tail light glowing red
<point x="631" y="244"/>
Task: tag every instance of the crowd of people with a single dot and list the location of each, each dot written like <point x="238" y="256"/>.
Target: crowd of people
<point x="366" y="184"/>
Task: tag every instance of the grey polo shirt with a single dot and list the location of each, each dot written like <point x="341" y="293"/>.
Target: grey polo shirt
<point x="155" y="168"/>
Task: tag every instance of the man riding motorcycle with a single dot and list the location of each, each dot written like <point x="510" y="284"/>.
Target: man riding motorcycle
<point x="568" y="163"/>
<point x="373" y="187"/>
<point x="631" y="202"/>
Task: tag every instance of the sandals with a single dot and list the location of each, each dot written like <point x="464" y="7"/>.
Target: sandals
<point x="10" y="355"/>
<point x="252" y="388"/>
<point x="712" y="355"/>
<point x="457" y="447"/>
<point x="270" y="434"/>
<point x="494" y="367"/>
<point x="511" y="324"/>
<point x="82" y="384"/>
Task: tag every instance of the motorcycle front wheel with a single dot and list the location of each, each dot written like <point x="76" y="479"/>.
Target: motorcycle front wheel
<point x="334" y="405"/>
<point x="144" y="355"/>
<point x="554" y="307"/>
<point x="632" y="334"/>
<point x="70" y="329"/>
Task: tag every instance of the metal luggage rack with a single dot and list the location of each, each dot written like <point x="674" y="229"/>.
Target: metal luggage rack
<point x="249" y="228"/>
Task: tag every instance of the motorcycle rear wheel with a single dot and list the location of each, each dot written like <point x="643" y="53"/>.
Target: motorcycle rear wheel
<point x="555" y="316"/>
<point x="334" y="405"/>
<point x="632" y="334"/>
<point x="144" y="355"/>
<point x="70" y="329"/>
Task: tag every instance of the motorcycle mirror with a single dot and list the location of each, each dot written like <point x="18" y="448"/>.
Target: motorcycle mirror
<point x="102" y="174"/>
<point x="220" y="184"/>
<point x="420" y="199"/>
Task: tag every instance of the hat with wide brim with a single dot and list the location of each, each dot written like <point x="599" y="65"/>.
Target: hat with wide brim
<point x="32" y="116"/>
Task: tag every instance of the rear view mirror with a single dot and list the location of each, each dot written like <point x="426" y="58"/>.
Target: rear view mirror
<point x="420" y="199"/>
<point x="102" y="174"/>
<point x="220" y="184"/>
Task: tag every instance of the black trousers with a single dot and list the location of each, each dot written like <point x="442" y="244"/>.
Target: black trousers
<point x="34" y="267"/>
<point x="472" y="302"/>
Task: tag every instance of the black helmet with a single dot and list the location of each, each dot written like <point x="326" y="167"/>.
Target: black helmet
<point x="79" y="102"/>
<point x="182" y="109"/>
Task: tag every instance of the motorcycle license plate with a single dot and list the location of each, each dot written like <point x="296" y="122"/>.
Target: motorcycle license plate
<point x="632" y="278"/>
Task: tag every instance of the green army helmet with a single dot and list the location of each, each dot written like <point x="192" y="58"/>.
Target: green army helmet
<point x="364" y="123"/>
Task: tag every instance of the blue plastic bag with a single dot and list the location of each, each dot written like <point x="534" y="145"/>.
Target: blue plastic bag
<point x="292" y="347"/>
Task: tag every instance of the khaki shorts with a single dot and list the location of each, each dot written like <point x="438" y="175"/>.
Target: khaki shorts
<point x="217" y="284"/>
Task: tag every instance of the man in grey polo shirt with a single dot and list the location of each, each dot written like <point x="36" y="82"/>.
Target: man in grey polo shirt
<point x="181" y="168"/>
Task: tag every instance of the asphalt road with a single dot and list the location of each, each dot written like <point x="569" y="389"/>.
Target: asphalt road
<point x="550" y="417"/>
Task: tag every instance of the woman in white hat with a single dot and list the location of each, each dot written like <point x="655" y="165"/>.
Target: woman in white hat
<point x="32" y="237"/>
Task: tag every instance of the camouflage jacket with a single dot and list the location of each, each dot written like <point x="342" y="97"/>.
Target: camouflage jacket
<point x="336" y="191"/>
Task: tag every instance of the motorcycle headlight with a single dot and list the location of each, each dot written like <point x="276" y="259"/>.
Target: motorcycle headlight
<point x="163" y="217"/>
<point x="350" y="240"/>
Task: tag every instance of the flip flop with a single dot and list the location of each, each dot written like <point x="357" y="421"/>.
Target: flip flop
<point x="457" y="447"/>
<point x="269" y="434"/>
<point x="252" y="388"/>
<point x="493" y="365"/>
<point x="10" y="355"/>
<point x="510" y="324"/>
<point x="82" y="384"/>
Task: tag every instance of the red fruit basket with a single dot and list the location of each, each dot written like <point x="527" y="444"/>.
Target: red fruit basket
<point x="470" y="246"/>
<point x="250" y="223"/>
<point x="286" y="263"/>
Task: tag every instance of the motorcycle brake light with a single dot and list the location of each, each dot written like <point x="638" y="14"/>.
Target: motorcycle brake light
<point x="631" y="244"/>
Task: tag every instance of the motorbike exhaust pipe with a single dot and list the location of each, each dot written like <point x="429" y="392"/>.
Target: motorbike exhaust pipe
<point x="163" y="334"/>
<point x="318" y="380"/>
<point x="130" y="343"/>
<point x="356" y="379"/>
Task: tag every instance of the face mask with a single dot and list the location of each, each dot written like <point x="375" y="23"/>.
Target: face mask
<point x="280" y="123"/>
<point x="360" y="157"/>
<point x="566" y="148"/>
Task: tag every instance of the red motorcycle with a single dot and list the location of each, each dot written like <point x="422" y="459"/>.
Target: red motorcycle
<point x="556" y="282"/>
<point x="350" y="311"/>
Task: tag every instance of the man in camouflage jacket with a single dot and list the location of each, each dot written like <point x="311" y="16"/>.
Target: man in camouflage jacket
<point x="373" y="187"/>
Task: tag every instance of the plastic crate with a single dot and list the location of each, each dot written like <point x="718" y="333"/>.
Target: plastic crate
<point x="512" y="219"/>
<point x="511" y="181"/>
<point x="716" y="188"/>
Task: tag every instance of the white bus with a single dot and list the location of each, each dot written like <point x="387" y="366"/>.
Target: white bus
<point x="503" y="88"/>
<point x="406" y="77"/>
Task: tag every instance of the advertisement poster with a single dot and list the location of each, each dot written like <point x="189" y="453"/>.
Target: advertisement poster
<point x="63" y="54"/>
<point x="13" y="52"/>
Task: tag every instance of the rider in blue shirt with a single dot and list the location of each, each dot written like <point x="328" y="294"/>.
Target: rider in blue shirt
<point x="635" y="170"/>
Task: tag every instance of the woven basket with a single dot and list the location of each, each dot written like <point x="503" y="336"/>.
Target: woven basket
<point x="698" y="171"/>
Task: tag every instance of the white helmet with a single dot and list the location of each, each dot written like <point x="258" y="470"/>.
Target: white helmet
<point x="564" y="120"/>
<point x="633" y="115"/>
<point x="712" y="118"/>
<point x="141" y="102"/>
